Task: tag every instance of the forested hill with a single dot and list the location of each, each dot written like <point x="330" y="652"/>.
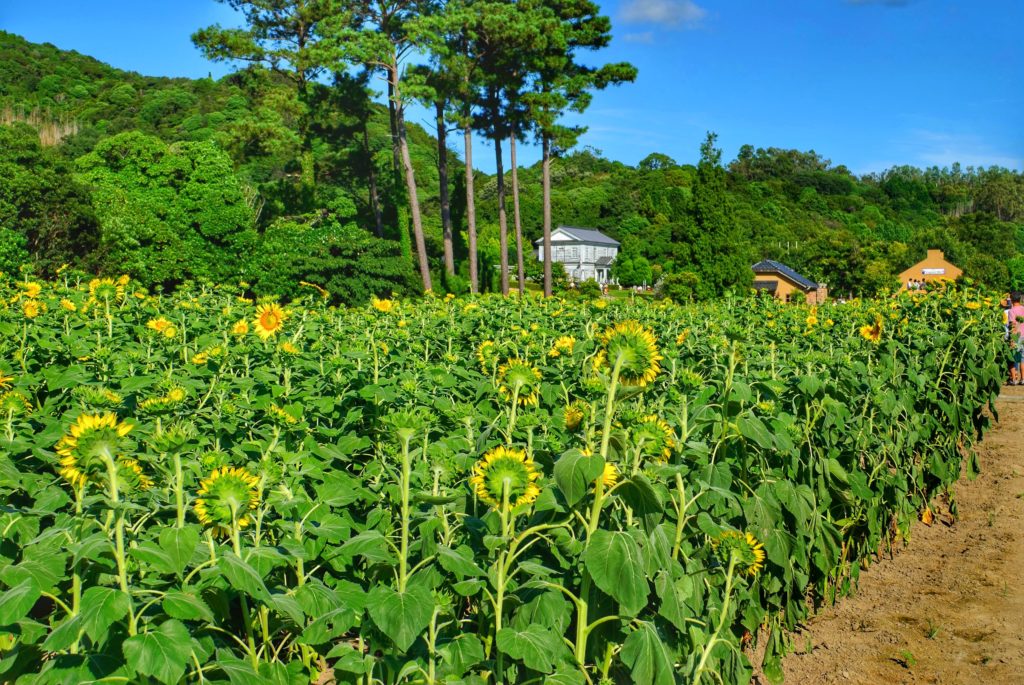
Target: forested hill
<point x="175" y="179"/>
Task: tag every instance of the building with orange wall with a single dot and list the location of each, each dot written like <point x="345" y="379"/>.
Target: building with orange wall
<point x="786" y="284"/>
<point x="934" y="267"/>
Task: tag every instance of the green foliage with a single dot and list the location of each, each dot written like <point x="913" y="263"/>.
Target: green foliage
<point x="345" y="260"/>
<point x="680" y="286"/>
<point x="167" y="213"/>
<point x="352" y="438"/>
<point x="44" y="215"/>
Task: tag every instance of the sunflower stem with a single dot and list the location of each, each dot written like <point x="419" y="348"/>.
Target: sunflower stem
<point x="119" y="556"/>
<point x="179" y="492"/>
<point x="500" y="581"/>
<point x="403" y="556"/>
<point x="512" y="411"/>
<point x="722" y="617"/>
<point x="236" y="544"/>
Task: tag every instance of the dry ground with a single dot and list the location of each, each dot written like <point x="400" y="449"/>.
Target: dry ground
<point x="949" y="607"/>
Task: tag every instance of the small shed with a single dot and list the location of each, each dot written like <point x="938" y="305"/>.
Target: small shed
<point x="934" y="267"/>
<point x="786" y="284"/>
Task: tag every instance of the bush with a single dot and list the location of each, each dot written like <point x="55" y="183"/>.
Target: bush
<point x="347" y="261"/>
<point x="678" y="287"/>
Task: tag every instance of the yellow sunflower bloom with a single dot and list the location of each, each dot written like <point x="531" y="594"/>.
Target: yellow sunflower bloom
<point x="747" y="551"/>
<point x="505" y="471"/>
<point x="487" y="354"/>
<point x="159" y="324"/>
<point x="634" y="346"/>
<point x="872" y="332"/>
<point x="225" y="499"/>
<point x="31" y="289"/>
<point x="519" y="378"/>
<point x="562" y="345"/>
<point x="656" y="438"/>
<point x="240" y="328"/>
<point x="269" y="320"/>
<point x="385" y="306"/>
<point x="91" y="440"/>
<point x="32" y="308"/>
<point x="610" y="475"/>
<point x="574" y="415"/>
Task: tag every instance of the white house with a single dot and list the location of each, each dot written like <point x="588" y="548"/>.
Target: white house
<point x="585" y="253"/>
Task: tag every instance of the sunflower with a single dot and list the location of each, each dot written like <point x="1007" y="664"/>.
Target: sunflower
<point x="574" y="414"/>
<point x="656" y="437"/>
<point x="505" y="469"/>
<point x="91" y="438"/>
<point x="562" y="345"/>
<point x="159" y="324"/>
<point x="487" y="353"/>
<point x="68" y="305"/>
<point x="269" y="320"/>
<point x="812" y="320"/>
<point x="610" y="475"/>
<point x="519" y="375"/>
<point x="173" y="396"/>
<point x="385" y="306"/>
<point x="281" y="416"/>
<point x="240" y="328"/>
<point x="872" y="332"/>
<point x="31" y="289"/>
<point x="32" y="308"/>
<point x="129" y="471"/>
<point x="681" y="338"/>
<point x="743" y="547"/>
<point x="226" y="498"/>
<point x="5" y="380"/>
<point x="637" y="348"/>
<point x="973" y="305"/>
<point x="106" y="289"/>
<point x="290" y="348"/>
<point x="13" y="403"/>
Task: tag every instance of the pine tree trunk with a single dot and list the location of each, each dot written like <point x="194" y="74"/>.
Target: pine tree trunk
<point x="520" y="266"/>
<point x="396" y="160"/>
<point x="378" y="219"/>
<point x="546" y="183"/>
<point x="410" y="182"/>
<point x="442" y="174"/>
<point x="467" y="133"/>
<point x="502" y="216"/>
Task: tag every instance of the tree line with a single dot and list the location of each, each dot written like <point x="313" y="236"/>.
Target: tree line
<point x="240" y="178"/>
<point x="508" y="70"/>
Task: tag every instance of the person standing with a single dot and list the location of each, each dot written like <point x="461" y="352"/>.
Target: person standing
<point x="1015" y="328"/>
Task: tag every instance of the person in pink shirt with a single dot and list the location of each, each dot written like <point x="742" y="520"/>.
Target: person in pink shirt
<point x="1015" y="329"/>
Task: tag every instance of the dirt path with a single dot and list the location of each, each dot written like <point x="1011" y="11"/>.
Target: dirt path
<point x="949" y="608"/>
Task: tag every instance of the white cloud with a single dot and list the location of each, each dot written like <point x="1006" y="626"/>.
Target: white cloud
<point x="943" y="149"/>
<point x="646" y="37"/>
<point x="663" y="12"/>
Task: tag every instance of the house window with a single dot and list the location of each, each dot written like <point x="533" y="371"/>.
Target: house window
<point x="573" y="253"/>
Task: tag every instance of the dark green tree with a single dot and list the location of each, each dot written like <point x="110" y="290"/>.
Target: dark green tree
<point x="45" y="215"/>
<point x="167" y="213"/>
<point x="288" y="38"/>
<point x="719" y="251"/>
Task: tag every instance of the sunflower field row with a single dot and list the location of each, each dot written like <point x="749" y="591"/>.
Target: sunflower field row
<point x="201" y="488"/>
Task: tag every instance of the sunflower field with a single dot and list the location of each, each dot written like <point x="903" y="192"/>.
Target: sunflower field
<point x="202" y="488"/>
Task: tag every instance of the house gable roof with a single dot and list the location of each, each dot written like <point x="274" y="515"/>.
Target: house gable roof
<point x="770" y="266"/>
<point x="583" y="235"/>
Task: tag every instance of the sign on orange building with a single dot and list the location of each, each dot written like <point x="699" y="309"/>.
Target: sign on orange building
<point x="934" y="267"/>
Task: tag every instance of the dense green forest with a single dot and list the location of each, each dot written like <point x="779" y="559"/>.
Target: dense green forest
<point x="247" y="178"/>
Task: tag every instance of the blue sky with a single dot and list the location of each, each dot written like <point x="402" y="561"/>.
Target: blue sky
<point x="866" y="83"/>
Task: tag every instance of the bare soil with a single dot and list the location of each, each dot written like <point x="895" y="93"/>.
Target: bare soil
<point x="949" y="606"/>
